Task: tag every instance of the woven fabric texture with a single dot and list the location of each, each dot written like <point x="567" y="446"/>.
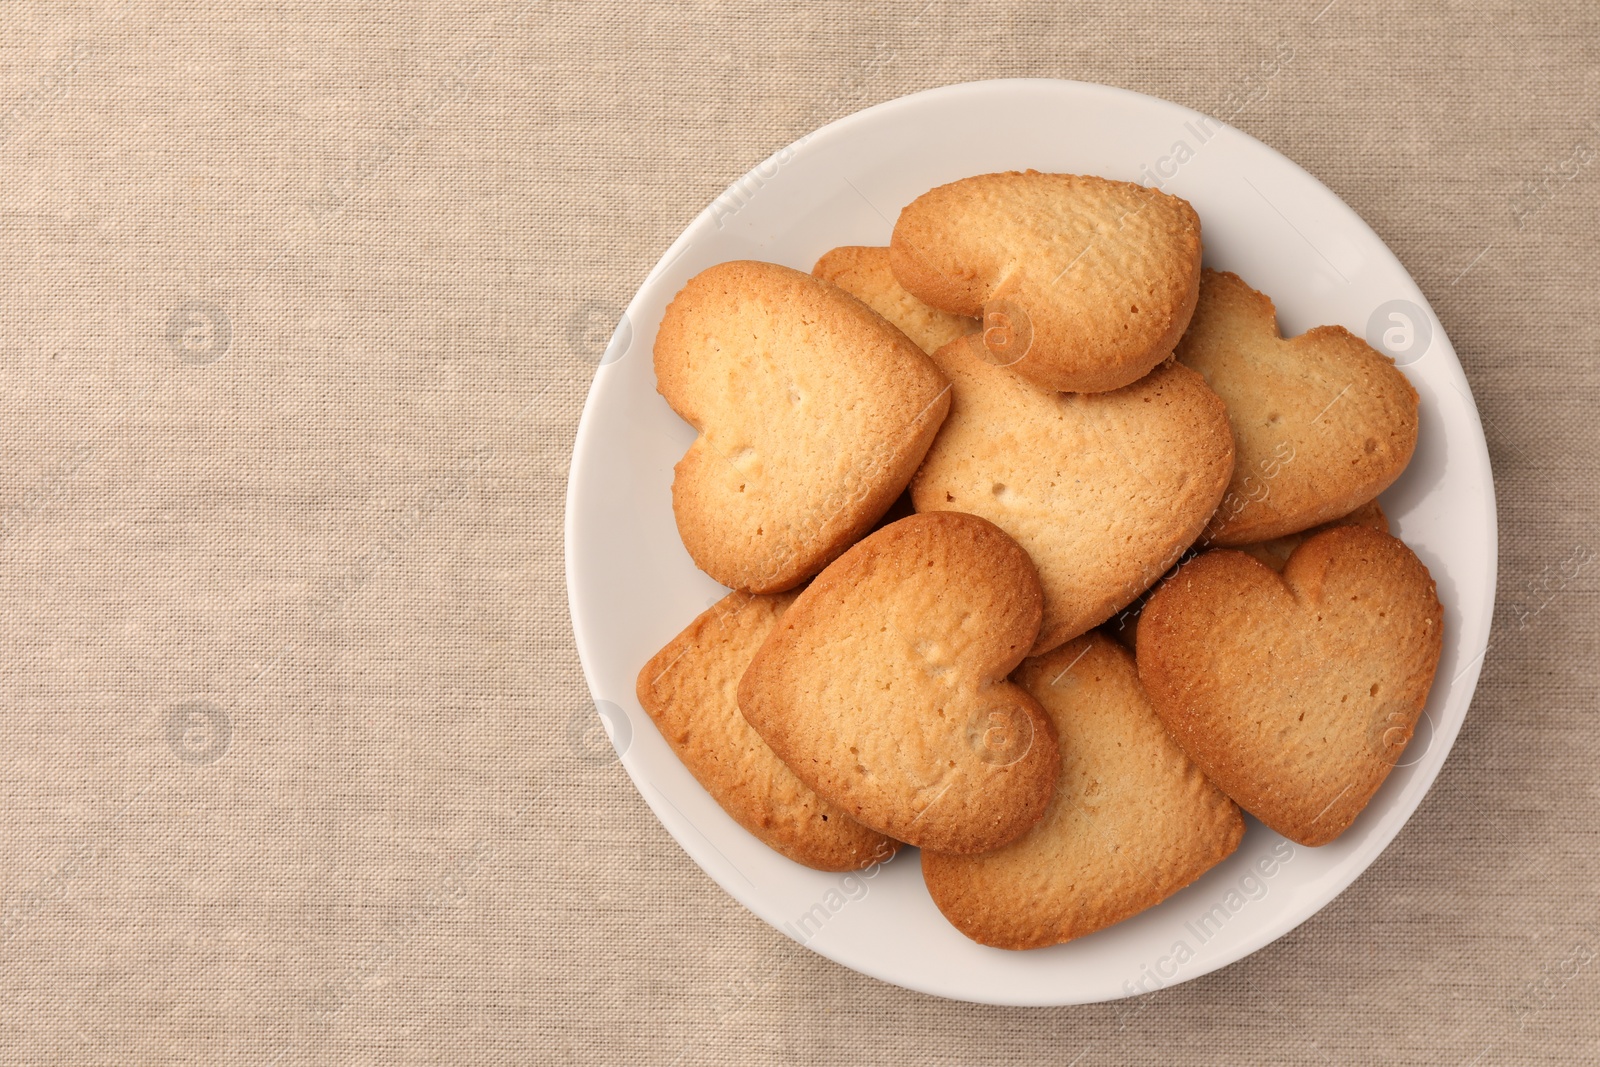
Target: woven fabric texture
<point x="299" y="305"/>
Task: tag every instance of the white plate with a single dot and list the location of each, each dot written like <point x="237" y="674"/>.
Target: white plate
<point x="632" y="585"/>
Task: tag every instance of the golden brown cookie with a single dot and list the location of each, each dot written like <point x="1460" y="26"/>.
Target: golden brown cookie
<point x="1321" y="422"/>
<point x="1124" y="626"/>
<point x="1083" y="284"/>
<point x="690" y="689"/>
<point x="1276" y="552"/>
<point x="812" y="411"/>
<point x="864" y="273"/>
<point x="1133" y="819"/>
<point x="1296" y="693"/>
<point x="884" y="686"/>
<point x="1103" y="490"/>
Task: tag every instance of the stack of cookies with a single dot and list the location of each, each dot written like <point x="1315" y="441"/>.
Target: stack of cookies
<point x="1048" y="555"/>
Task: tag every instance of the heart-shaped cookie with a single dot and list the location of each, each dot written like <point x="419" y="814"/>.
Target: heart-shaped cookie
<point x="1133" y="819"/>
<point x="884" y="686"/>
<point x="1083" y="284"/>
<point x="690" y="690"/>
<point x="1274" y="553"/>
<point x="1103" y="490"/>
<point x="813" y="413"/>
<point x="1321" y="422"/>
<point x="864" y="273"/>
<point x="1296" y="693"/>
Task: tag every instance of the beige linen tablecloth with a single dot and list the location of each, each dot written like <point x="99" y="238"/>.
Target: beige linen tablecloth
<point x="299" y="303"/>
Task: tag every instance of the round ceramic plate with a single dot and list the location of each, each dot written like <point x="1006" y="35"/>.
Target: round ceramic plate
<point x="633" y="587"/>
